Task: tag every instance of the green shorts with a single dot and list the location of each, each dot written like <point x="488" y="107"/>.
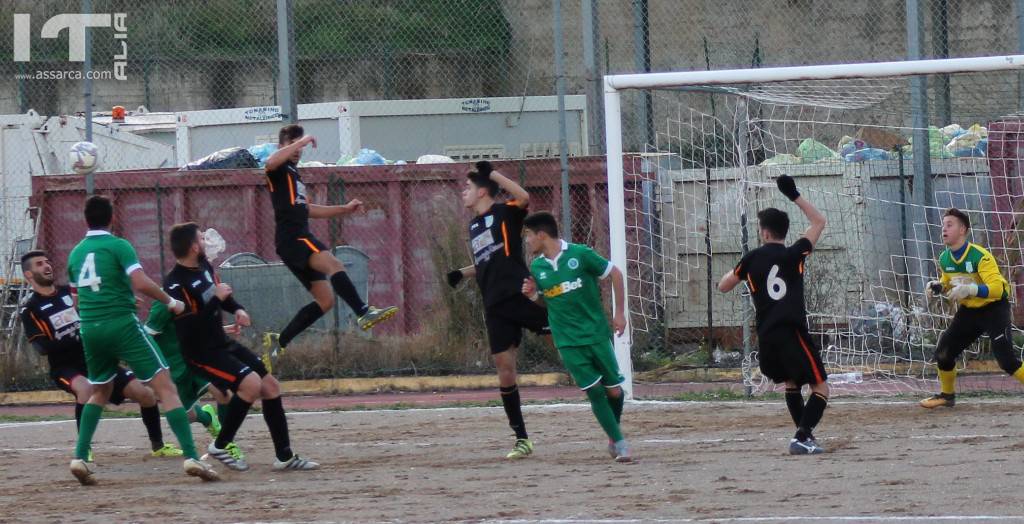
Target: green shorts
<point x="107" y="342"/>
<point x="191" y="388"/>
<point x="591" y="364"/>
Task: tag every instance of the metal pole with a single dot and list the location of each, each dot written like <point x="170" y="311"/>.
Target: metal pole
<point x="563" y="146"/>
<point x="286" y="62"/>
<point x="922" y="196"/>
<point x="940" y="43"/>
<point x="642" y="64"/>
<point x="87" y="90"/>
<point x="1020" y="48"/>
<point x="710" y="271"/>
<point x="595" y="107"/>
<point x="160" y="229"/>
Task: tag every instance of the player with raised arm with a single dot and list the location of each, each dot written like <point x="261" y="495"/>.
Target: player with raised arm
<point x="226" y="363"/>
<point x="774" y="274"/>
<point x="52" y="325"/>
<point x="971" y="277"/>
<point x="307" y="258"/>
<point x="565" y="277"/>
<point x="499" y="268"/>
<point x="105" y="270"/>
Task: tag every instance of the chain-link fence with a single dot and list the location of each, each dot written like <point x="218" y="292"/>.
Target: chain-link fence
<point x="385" y="83"/>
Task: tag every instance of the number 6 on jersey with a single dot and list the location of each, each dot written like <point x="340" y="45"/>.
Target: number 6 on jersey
<point x="776" y="286"/>
<point x="87" y="277"/>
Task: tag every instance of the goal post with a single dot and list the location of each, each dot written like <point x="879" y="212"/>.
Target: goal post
<point x="709" y="149"/>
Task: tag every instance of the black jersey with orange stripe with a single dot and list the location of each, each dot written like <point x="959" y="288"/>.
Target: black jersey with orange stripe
<point x="52" y="325"/>
<point x="774" y="274"/>
<point x="291" y="206"/>
<point x="497" y="243"/>
<point x="200" y="327"/>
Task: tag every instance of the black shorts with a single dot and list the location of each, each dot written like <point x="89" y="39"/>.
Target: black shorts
<point x="227" y="366"/>
<point x="507" y="319"/>
<point x="295" y="253"/>
<point x="64" y="376"/>
<point x="789" y="353"/>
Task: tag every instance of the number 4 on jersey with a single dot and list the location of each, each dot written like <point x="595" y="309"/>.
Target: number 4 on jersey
<point x="776" y="286"/>
<point x="87" y="277"/>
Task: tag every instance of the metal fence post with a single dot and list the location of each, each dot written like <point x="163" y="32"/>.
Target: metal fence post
<point x="595" y="109"/>
<point x="286" y="62"/>
<point x="923" y="195"/>
<point x="87" y="90"/>
<point x="563" y="146"/>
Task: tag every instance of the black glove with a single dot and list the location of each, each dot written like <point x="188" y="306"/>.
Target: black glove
<point x="454" y="277"/>
<point x="788" y="187"/>
<point x="484" y="168"/>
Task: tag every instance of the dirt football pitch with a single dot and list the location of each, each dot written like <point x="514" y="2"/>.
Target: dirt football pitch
<point x="887" y="461"/>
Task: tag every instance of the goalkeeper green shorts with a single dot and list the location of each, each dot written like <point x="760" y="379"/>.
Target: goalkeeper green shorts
<point x="592" y="364"/>
<point x="109" y="341"/>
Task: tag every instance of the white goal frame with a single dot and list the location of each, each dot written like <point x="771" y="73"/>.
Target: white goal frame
<point x="615" y="84"/>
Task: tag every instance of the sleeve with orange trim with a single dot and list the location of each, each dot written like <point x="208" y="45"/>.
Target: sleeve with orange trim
<point x="802" y="248"/>
<point x="36" y="332"/>
<point x="230" y="304"/>
<point x="741" y="268"/>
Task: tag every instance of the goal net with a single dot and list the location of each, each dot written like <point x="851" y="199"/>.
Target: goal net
<point x="880" y="149"/>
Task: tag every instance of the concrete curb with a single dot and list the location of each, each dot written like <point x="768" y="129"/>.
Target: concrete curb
<point x="333" y="386"/>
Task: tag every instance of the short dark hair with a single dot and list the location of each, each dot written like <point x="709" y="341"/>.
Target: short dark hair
<point x="954" y="212"/>
<point x="482" y="178"/>
<point x="775" y="221"/>
<point x="29" y="256"/>
<point x="99" y="212"/>
<point x="542" y="222"/>
<point x="182" y="238"/>
<point x="289" y="132"/>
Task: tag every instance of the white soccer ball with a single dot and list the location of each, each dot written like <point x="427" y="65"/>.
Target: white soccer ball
<point x="84" y="157"/>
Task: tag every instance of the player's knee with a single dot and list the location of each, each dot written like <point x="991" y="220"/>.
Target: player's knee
<point x="614" y="392"/>
<point x="270" y="387"/>
<point x="101" y="393"/>
<point x="142" y="394"/>
<point x="325" y="303"/>
<point x="249" y="389"/>
<point x="820" y="388"/>
<point x="1005" y="355"/>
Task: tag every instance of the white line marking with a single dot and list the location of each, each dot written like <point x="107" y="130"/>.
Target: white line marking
<point x="836" y="518"/>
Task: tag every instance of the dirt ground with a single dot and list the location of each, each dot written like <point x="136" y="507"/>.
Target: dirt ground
<point x="697" y="462"/>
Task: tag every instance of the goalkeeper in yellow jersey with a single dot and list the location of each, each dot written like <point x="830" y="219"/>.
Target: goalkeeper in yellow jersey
<point x="970" y="277"/>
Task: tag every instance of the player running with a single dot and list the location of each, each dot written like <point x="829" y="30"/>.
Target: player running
<point x="565" y="277"/>
<point x="52" y="326"/>
<point x="774" y="274"/>
<point x="307" y="258"/>
<point x="496" y="241"/>
<point x="971" y="277"/>
<point x="104" y="269"/>
<point x="226" y="363"/>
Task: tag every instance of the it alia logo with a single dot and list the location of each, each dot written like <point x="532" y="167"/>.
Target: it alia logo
<point x="75" y="24"/>
<point x="476" y="105"/>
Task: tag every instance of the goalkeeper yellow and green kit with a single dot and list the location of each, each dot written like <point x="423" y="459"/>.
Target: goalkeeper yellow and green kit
<point x="99" y="268"/>
<point x="973" y="264"/>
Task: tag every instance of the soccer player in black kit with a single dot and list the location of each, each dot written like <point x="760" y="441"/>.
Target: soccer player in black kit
<point x="774" y="274"/>
<point x="226" y="363"/>
<point x="495" y="235"/>
<point x="52" y="325"/>
<point x="307" y="258"/>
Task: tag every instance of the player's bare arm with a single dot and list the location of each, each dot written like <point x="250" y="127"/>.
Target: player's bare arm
<point x="787" y="186"/>
<point x="284" y="153"/>
<point x="145" y="285"/>
<point x="619" y="296"/>
<point x="318" y="211"/>
<point x="728" y="282"/>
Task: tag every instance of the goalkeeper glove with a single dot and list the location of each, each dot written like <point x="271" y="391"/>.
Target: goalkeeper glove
<point x="935" y="288"/>
<point x="787" y="187"/>
<point x="454" y="277"/>
<point x="963" y="291"/>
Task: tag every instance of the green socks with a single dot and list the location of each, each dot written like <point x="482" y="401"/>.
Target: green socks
<point x="617" y="404"/>
<point x="202" y="417"/>
<point x="602" y="408"/>
<point x="177" y="418"/>
<point x="91" y="414"/>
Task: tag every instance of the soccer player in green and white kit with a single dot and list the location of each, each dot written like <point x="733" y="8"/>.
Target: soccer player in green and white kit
<point x="104" y="269"/>
<point x="567" y="275"/>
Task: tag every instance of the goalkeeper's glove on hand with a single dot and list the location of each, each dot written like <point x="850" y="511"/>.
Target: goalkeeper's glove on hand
<point x="963" y="291"/>
<point x="935" y="288"/>
<point x="787" y="187"/>
<point x="454" y="277"/>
